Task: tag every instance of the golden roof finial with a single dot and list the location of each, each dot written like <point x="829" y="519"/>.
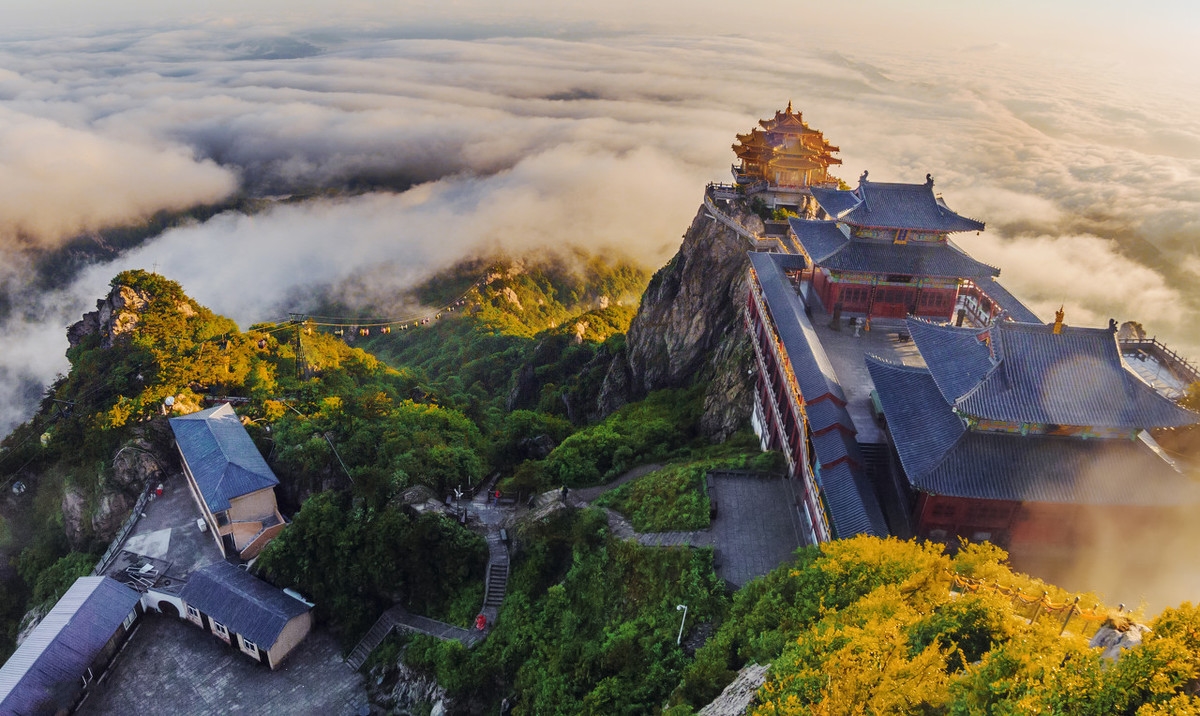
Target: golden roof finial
<point x="789" y="109"/>
<point x="1058" y="320"/>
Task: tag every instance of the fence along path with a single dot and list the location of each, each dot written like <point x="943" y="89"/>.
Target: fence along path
<point x="1034" y="607"/>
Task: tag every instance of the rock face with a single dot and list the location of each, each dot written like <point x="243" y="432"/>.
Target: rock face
<point x="410" y="693"/>
<point x="115" y="315"/>
<point x="689" y="327"/>
<point x="735" y="700"/>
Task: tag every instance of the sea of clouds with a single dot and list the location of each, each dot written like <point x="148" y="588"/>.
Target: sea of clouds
<point x="422" y="145"/>
<point x="1088" y="178"/>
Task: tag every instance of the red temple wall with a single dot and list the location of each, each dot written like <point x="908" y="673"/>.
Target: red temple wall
<point x="890" y="301"/>
<point x="1021" y="526"/>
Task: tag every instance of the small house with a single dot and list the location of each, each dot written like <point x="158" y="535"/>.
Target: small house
<point x="229" y="479"/>
<point x="263" y="622"/>
<point x="52" y="670"/>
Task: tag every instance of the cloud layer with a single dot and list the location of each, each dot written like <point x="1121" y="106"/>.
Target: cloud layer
<point x="1088" y="175"/>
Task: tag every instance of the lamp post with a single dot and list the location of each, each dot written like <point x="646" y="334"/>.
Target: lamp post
<point x="680" y="607"/>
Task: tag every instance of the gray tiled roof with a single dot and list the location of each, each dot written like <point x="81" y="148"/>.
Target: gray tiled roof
<point x="938" y="259"/>
<point x="828" y="415"/>
<point x="837" y="445"/>
<point x="835" y="202"/>
<point x="814" y="372"/>
<point x="1074" y="378"/>
<point x="221" y="456"/>
<point x="852" y="505"/>
<point x="922" y="425"/>
<point x="825" y="243"/>
<point x="941" y="457"/>
<point x="820" y="239"/>
<point x="43" y="674"/>
<point x="1017" y="311"/>
<point x="894" y="206"/>
<point x="1041" y="468"/>
<point x="962" y="359"/>
<point x="245" y="604"/>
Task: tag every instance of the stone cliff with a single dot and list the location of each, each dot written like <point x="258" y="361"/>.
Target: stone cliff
<point x="689" y="328"/>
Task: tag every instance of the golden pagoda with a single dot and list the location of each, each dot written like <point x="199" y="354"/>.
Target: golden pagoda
<point x="786" y="153"/>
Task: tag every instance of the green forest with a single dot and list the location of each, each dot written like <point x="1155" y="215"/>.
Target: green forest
<point x="505" y="386"/>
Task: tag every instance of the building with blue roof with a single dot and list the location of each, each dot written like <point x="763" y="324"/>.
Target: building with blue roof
<point x="263" y="622"/>
<point x="800" y="409"/>
<point x="883" y="249"/>
<point x="1023" y="434"/>
<point x="229" y="479"/>
<point x="52" y="670"/>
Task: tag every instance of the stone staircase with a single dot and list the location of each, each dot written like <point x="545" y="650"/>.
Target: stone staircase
<point x="497" y="575"/>
<point x="373" y="638"/>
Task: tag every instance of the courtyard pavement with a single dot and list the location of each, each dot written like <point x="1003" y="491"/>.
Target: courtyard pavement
<point x="757" y="527"/>
<point x="172" y="667"/>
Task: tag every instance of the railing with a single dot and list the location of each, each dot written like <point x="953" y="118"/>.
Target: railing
<point x="1177" y="363"/>
<point x="720" y="216"/>
<point x="122" y="533"/>
<point x="1035" y="607"/>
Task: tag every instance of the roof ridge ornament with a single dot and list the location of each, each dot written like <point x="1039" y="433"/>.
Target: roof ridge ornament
<point x="1058" y="320"/>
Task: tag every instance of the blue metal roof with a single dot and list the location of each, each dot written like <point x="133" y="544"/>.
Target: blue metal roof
<point x="852" y="505"/>
<point x="894" y="206"/>
<point x="242" y="602"/>
<point x="1074" y="378"/>
<point x="221" y="456"/>
<point x="43" y="674"/>
<point x="814" y="373"/>
<point x="941" y="457"/>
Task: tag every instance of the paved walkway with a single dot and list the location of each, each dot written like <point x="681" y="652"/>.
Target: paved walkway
<point x="434" y="628"/>
<point x="172" y="667"/>
<point x="757" y="527"/>
<point x="589" y="494"/>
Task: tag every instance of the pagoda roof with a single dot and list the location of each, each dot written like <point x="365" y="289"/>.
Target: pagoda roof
<point x="941" y="457"/>
<point x="1025" y="373"/>
<point x="893" y="206"/>
<point x="830" y="248"/>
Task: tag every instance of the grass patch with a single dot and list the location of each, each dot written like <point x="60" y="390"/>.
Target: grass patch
<point x="675" y="497"/>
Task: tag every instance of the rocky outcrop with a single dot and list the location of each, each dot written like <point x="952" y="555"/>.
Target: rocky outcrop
<point x="735" y="700"/>
<point x="400" y="690"/>
<point x="689" y="328"/>
<point x="115" y="315"/>
<point x="137" y="464"/>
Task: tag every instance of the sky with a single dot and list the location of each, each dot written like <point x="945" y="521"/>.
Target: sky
<point x="1071" y="128"/>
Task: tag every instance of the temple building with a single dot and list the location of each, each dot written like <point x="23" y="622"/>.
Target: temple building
<point x="785" y="157"/>
<point x="800" y="409"/>
<point x="1022" y="433"/>
<point x="884" y="250"/>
